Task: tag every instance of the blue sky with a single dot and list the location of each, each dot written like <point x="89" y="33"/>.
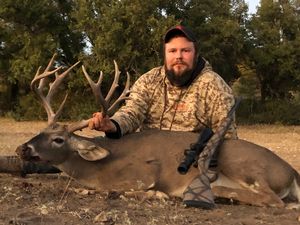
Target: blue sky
<point x="252" y="5"/>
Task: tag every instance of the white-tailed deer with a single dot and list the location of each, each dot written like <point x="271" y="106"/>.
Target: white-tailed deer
<point x="148" y="160"/>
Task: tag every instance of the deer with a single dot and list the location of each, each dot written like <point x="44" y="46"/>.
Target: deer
<point x="148" y="160"/>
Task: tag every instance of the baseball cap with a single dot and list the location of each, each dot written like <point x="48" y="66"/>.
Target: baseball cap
<point x="179" y="29"/>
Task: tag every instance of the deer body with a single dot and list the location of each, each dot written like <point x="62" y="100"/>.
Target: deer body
<point x="149" y="160"/>
<point x="133" y="161"/>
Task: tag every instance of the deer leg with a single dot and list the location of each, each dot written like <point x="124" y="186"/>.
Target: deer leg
<point x="248" y="196"/>
<point x="10" y="164"/>
<point x="31" y="167"/>
<point x="294" y="194"/>
<point x="147" y="195"/>
<point x="268" y="196"/>
<point x="13" y="164"/>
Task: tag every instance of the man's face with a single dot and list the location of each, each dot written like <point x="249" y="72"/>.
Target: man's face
<point x="179" y="60"/>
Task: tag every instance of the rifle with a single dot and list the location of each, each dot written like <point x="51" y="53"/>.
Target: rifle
<point x="192" y="154"/>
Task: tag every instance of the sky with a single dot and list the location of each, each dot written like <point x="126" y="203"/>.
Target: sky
<point x="252" y="5"/>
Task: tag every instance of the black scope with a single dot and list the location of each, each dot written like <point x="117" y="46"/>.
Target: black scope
<point x="191" y="155"/>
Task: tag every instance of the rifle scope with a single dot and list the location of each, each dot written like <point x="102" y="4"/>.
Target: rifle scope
<point x="191" y="155"/>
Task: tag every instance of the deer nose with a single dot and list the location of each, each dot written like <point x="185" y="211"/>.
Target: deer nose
<point x="24" y="151"/>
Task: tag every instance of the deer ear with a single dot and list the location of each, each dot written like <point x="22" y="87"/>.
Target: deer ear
<point x="88" y="150"/>
<point x="93" y="154"/>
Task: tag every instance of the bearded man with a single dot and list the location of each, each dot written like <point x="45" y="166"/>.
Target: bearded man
<point x="184" y="94"/>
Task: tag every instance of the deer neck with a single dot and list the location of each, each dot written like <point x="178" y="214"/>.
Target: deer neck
<point x="95" y="173"/>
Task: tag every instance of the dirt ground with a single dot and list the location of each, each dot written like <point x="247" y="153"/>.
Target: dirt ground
<point x="55" y="199"/>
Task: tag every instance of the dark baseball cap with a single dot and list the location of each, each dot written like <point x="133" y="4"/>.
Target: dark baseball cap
<point x="179" y="30"/>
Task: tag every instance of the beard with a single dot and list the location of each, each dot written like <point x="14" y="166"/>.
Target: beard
<point x="179" y="79"/>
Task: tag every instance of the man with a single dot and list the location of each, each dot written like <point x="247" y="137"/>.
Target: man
<point x="183" y="95"/>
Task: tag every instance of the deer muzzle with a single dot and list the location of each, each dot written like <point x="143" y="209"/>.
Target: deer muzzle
<point x="27" y="153"/>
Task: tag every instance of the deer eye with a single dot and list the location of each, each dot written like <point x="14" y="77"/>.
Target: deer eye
<point x="58" y="140"/>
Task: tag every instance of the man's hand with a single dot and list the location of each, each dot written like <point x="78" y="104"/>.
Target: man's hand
<point x="100" y="123"/>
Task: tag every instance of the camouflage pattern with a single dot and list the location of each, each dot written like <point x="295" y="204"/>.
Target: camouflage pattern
<point x="155" y="103"/>
<point x="214" y="142"/>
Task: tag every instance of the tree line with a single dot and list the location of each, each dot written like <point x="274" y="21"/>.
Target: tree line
<point x="257" y="54"/>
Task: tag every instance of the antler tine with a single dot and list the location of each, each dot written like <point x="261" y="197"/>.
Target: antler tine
<point x="122" y="97"/>
<point x="100" y="101"/>
<point x="38" y="89"/>
<point x="96" y="88"/>
<point x="46" y="73"/>
<point x="53" y="88"/>
<point x="46" y="100"/>
<point x="115" y="83"/>
<point x="103" y="102"/>
<point x="58" y="80"/>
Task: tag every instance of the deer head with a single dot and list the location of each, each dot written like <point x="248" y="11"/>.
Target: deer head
<point x="61" y="138"/>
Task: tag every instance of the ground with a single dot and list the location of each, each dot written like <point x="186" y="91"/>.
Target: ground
<point x="55" y="199"/>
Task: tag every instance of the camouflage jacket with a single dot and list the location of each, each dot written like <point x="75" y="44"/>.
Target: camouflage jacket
<point x="155" y="103"/>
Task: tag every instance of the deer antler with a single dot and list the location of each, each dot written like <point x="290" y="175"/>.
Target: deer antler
<point x="38" y="89"/>
<point x="102" y="102"/>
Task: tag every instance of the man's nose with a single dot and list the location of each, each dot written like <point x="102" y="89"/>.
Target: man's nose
<point x="178" y="54"/>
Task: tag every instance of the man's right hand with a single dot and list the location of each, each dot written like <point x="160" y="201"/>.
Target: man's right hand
<point x="102" y="123"/>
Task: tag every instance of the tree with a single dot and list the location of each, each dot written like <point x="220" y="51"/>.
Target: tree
<point x="128" y="31"/>
<point x="274" y="33"/>
<point x="31" y="32"/>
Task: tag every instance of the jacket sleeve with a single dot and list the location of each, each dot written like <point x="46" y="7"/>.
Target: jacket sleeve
<point x="219" y="100"/>
<point x="133" y="113"/>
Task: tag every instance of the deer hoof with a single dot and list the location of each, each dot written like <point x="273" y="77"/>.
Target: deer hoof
<point x="295" y="206"/>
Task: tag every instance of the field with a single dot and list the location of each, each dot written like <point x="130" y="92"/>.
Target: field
<point x="55" y="199"/>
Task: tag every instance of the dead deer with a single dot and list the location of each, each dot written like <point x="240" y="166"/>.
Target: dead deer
<point x="148" y="160"/>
